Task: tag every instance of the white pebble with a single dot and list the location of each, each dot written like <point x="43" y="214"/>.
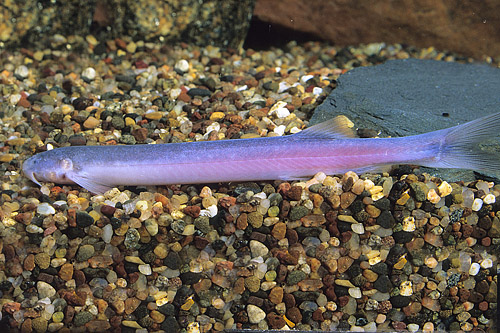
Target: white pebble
<point x="22" y="71"/>
<point x="145" y="269"/>
<point x="358" y="228"/>
<point x="33" y="229"/>
<point x="489" y="199"/>
<point x="477" y="204"/>
<point x="45" y="209"/>
<point x="409" y="224"/>
<point x="89" y="73"/>
<point x="107" y="233"/>
<point x="14" y="98"/>
<point x="280" y="110"/>
<point x="317" y="91"/>
<point x="181" y="66"/>
<point x="405" y="289"/>
<point x="258" y="249"/>
<point x="280" y="130"/>
<point x="355" y="292"/>
<point x="45" y="289"/>
<point x="211" y="211"/>
<point x="487" y="263"/>
<point x="255" y="314"/>
<point x="306" y="78"/>
<point x="413" y="327"/>
<point x="474" y="269"/>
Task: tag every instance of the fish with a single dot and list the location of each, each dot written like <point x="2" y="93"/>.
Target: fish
<point x="330" y="147"/>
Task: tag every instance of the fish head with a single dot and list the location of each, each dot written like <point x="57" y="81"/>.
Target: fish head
<point x="48" y="167"/>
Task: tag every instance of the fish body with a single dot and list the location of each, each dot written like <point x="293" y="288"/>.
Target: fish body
<point x="327" y="147"/>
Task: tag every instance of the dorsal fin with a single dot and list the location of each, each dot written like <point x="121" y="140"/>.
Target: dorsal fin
<point x="339" y="127"/>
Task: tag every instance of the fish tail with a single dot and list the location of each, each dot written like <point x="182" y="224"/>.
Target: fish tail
<point x="457" y="147"/>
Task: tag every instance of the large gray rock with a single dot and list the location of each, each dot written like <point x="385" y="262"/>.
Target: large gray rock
<point x="412" y="96"/>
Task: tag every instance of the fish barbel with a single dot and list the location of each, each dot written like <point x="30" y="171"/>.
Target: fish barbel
<point x="329" y="147"/>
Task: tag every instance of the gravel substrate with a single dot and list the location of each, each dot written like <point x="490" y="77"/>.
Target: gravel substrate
<point x="399" y="251"/>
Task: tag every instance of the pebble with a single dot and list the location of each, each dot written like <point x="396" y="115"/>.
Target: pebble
<point x="255" y="314"/>
<point x="89" y="73"/>
<point x="258" y="249"/>
<point x="45" y="289"/>
<point x="45" y="209"/>
<point x="326" y="253"/>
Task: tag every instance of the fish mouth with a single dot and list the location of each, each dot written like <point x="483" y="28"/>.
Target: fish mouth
<point x="32" y="176"/>
<point x="28" y="172"/>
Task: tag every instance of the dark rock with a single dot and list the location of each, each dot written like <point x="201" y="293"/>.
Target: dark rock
<point x="83" y="219"/>
<point x="415" y="97"/>
<point x="383" y="284"/>
<point x="400" y="301"/>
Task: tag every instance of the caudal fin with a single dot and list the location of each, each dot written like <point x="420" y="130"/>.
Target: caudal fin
<point x="459" y="145"/>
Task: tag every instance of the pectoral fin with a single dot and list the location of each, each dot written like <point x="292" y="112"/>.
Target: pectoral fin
<point x="90" y="185"/>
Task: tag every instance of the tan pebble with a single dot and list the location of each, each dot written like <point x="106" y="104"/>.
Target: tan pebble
<point x="155" y="115"/>
<point x="217" y="116"/>
<point x="157" y="316"/>
<point x="370" y="275"/>
<point x="428" y="327"/>
<point x="432" y="196"/>
<point x="489" y="199"/>
<point x="91" y="123"/>
<point x="347" y="218"/>
<point x="358" y="187"/>
<point x="401" y="263"/>
<point x="350" y="174"/>
<point x="375" y="189"/>
<point x="344" y="283"/>
<point x="409" y="224"/>
<point x="444" y="189"/>
<point x="279" y="230"/>
<point x="373" y="211"/>
<point x="431" y="285"/>
<point x="403" y="199"/>
<point x="206" y="192"/>
<point x="405" y="288"/>
<point x="380" y="319"/>
<point x="431" y="262"/>
<point x="368" y="184"/>
<point x="377" y="196"/>
<point x="131" y="324"/>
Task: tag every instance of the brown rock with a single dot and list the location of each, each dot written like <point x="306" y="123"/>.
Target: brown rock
<point x="193" y="211"/>
<point x="469" y="29"/>
<point x="430" y="304"/>
<point x="66" y="272"/>
<point x="344" y="263"/>
<point x="275" y="321"/>
<point x="294" y="315"/>
<point x="318" y="315"/>
<point x="313" y="220"/>
<point x="310" y="285"/>
<point x="140" y="134"/>
<point x="276" y="295"/>
<point x="131" y="304"/>
<point x="29" y="262"/>
<point x="289" y="300"/>
<point x="98" y="326"/>
<point x="346" y="199"/>
<point x="242" y="221"/>
<point x="279" y="231"/>
<point x="294" y="193"/>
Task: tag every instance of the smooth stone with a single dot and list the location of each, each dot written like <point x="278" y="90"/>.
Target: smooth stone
<point x="255" y="314"/>
<point x="417" y="96"/>
<point x="45" y="289"/>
